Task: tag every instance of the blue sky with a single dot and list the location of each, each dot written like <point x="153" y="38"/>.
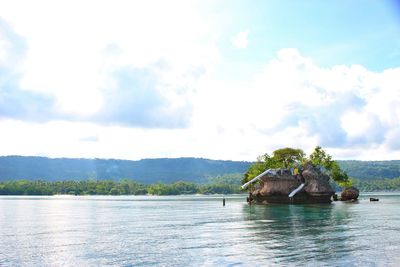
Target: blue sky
<point x="213" y="79"/>
<point x="330" y="32"/>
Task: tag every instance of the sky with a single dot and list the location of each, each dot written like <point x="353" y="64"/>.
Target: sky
<point x="213" y="79"/>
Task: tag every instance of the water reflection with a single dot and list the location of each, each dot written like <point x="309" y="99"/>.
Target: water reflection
<point x="299" y="233"/>
<point x="196" y="231"/>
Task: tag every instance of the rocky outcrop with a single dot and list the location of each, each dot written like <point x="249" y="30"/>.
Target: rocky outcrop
<point x="317" y="182"/>
<point x="275" y="188"/>
<point x="350" y="193"/>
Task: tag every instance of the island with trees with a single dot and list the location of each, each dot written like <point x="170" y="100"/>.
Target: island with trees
<point x="288" y="176"/>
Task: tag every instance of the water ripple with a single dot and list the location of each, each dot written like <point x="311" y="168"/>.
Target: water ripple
<point x="196" y="231"/>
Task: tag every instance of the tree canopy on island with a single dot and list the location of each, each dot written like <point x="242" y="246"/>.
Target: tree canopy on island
<point x="293" y="157"/>
<point x="287" y="157"/>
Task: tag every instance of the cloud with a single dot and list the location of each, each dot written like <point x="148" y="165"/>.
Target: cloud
<point x="138" y="99"/>
<point x="146" y="75"/>
<point x="90" y="138"/>
<point x="137" y="69"/>
<point x="393" y="139"/>
<point x="29" y="106"/>
<point x="151" y="96"/>
<point x="14" y="101"/>
<point x="344" y="106"/>
<point x="294" y="102"/>
<point x="351" y="111"/>
<point x="323" y="119"/>
<point x="12" y="46"/>
<point x="240" y="40"/>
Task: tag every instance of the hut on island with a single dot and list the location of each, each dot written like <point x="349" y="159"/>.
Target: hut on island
<point x="309" y="185"/>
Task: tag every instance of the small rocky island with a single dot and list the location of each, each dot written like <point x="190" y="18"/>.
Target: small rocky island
<point x="277" y="185"/>
<point x="298" y="184"/>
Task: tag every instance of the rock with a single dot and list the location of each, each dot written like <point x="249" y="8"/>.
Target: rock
<point x="275" y="187"/>
<point x="350" y="193"/>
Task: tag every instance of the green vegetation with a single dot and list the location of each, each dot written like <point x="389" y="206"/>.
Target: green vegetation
<point x="86" y="176"/>
<point x="222" y="185"/>
<point x="288" y="157"/>
<point x="377" y="185"/>
<point x="225" y="184"/>
<point x="320" y="158"/>
<point x="165" y="170"/>
<point x="292" y="157"/>
<point x="371" y="170"/>
<point x="169" y="170"/>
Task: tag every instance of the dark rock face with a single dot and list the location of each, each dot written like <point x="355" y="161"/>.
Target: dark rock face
<point x="276" y="188"/>
<point x="350" y="193"/>
<point x="317" y="183"/>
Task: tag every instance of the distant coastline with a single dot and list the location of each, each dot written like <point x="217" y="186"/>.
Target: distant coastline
<point x="109" y="187"/>
<point x="218" y="185"/>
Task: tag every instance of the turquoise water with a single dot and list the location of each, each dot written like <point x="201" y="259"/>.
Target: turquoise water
<point x="196" y="231"/>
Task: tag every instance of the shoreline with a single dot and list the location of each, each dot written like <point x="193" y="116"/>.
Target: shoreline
<point x="192" y="195"/>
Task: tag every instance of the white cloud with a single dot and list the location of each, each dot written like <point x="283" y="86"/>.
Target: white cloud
<point x="151" y="73"/>
<point x="68" y="53"/>
<point x="293" y="102"/>
<point x="3" y="48"/>
<point x="240" y="40"/>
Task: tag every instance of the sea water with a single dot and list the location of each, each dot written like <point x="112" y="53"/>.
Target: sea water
<point x="196" y="231"/>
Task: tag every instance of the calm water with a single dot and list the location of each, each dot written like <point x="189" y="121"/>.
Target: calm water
<point x="196" y="231"/>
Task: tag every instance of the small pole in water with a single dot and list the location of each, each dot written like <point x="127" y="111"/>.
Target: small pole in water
<point x="250" y="195"/>
<point x="223" y="202"/>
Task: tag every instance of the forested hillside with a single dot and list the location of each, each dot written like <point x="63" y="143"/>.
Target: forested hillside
<point x="165" y="170"/>
<point x="145" y="171"/>
<point x="367" y="170"/>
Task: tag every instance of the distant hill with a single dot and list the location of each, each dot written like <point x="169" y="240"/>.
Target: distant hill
<point x="158" y="170"/>
<point x="146" y="171"/>
<point x="368" y="170"/>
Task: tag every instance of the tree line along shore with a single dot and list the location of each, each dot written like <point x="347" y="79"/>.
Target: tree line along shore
<point x="229" y="184"/>
<point x="109" y="187"/>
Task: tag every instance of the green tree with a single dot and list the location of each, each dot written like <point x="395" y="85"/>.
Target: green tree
<point x="319" y="158"/>
<point x="230" y="178"/>
<point x="288" y="156"/>
<point x="263" y="163"/>
<point x="115" y="191"/>
<point x="182" y="187"/>
<point x="282" y="158"/>
<point x="339" y="176"/>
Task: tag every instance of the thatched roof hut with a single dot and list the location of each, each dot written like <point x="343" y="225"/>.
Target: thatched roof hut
<point x="311" y="184"/>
